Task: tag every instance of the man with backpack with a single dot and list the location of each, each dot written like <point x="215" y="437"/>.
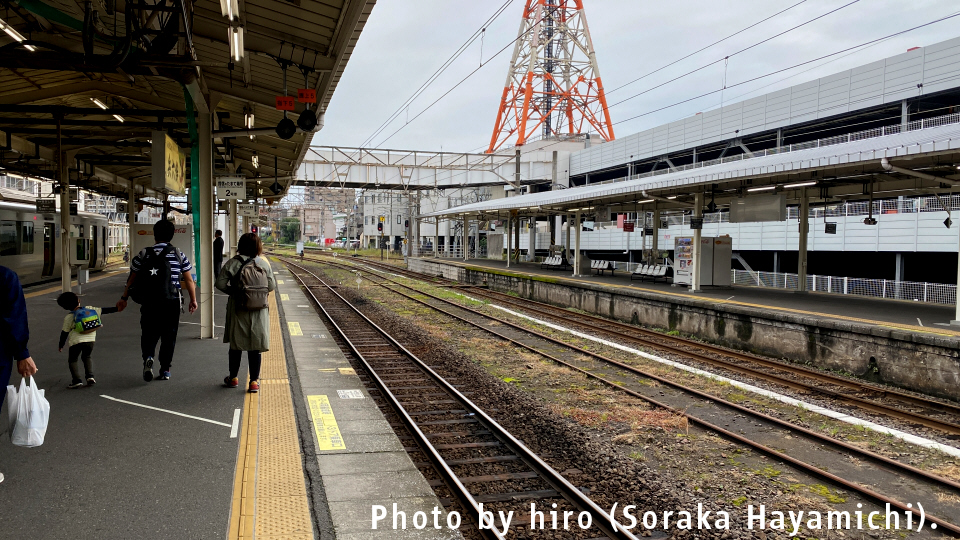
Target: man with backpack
<point x="157" y="275"/>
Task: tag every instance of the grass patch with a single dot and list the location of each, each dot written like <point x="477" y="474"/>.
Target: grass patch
<point x="825" y="492"/>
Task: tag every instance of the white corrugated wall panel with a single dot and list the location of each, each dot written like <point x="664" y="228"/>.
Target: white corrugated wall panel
<point x="803" y="101"/>
<point x="711" y="126"/>
<point x="732" y="120"/>
<point x="675" y="140"/>
<point x="661" y="139"/>
<point x="777" y="109"/>
<point x="866" y="85"/>
<point x="902" y="75"/>
<point x="754" y="118"/>
<point x="941" y="68"/>
<point x="834" y="95"/>
<point x="693" y="130"/>
<point x="645" y="143"/>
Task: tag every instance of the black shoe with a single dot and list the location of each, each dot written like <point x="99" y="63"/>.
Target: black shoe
<point x="164" y="376"/>
<point x="148" y="369"/>
<point x="77" y="383"/>
<point x="91" y="381"/>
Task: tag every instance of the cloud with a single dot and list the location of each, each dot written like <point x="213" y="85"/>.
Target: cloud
<point x="405" y="42"/>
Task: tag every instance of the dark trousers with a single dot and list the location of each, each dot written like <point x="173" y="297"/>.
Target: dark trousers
<point x="76" y="352"/>
<point x="160" y="322"/>
<point x="253" y="358"/>
<point x="217" y="263"/>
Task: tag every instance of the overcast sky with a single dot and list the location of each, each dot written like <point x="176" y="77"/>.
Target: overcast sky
<point x="405" y="41"/>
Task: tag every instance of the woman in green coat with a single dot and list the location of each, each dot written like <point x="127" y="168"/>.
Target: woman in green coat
<point x="245" y="330"/>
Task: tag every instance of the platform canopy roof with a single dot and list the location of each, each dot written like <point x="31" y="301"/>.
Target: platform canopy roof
<point x="69" y="59"/>
<point x="919" y="159"/>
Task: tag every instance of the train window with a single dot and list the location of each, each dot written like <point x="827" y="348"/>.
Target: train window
<point x="26" y="237"/>
<point x="16" y="238"/>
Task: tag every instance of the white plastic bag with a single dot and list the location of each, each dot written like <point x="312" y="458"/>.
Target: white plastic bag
<point x="10" y="405"/>
<point x="32" y="415"/>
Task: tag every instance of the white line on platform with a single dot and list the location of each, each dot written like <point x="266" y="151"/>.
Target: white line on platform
<point x="236" y="424"/>
<point x="198" y="324"/>
<point x="843" y="417"/>
<point x="918" y="321"/>
<point x="166" y="411"/>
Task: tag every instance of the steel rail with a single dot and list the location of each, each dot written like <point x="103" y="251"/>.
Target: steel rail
<point x="809" y="468"/>
<point x="681" y="345"/>
<point x="570" y="492"/>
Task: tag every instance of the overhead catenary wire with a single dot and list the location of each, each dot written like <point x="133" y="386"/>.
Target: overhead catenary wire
<point x="479" y="33"/>
<point x="678" y="60"/>
<point x="781" y="70"/>
<point x="727" y="57"/>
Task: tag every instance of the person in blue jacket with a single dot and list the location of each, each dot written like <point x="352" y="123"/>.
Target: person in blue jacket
<point x="14" y="332"/>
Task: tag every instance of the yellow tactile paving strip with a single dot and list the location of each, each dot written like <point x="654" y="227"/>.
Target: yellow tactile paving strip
<point x="269" y="493"/>
<point x="896" y="326"/>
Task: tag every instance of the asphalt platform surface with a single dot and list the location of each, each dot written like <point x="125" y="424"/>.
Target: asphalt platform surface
<point x="111" y="470"/>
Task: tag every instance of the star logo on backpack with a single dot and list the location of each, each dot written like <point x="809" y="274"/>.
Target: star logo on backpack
<point x="153" y="271"/>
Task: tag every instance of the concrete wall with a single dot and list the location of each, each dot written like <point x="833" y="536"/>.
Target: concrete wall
<point x="920" y="362"/>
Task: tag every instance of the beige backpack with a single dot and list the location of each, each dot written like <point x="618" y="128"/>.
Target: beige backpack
<point x="250" y="285"/>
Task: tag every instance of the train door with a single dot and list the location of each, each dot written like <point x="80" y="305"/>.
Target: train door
<point x="106" y="246"/>
<point x="94" y="252"/>
<point x="49" y="249"/>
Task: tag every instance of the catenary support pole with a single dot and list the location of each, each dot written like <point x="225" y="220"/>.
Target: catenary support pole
<point x="804" y="224"/>
<point x="532" y="239"/>
<point x="576" y="245"/>
<point x="131" y="217"/>
<point x="436" y="238"/>
<point x="655" y="241"/>
<point x="476" y="239"/>
<point x="466" y="238"/>
<point x="232" y="227"/>
<point x="566" y="244"/>
<point x="516" y="237"/>
<point x="697" y="213"/>
<point x="64" y="177"/>
<point x="508" y="238"/>
<point x="205" y="267"/>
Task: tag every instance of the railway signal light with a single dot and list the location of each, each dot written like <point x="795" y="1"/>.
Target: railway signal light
<point x="254" y="229"/>
<point x="380" y="226"/>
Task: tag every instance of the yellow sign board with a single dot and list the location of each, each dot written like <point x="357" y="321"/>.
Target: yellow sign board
<point x="169" y="172"/>
<point x="325" y="424"/>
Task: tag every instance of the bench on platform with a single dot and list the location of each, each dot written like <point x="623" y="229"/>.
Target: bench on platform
<point x="555" y="262"/>
<point x="649" y="271"/>
<point x="601" y="266"/>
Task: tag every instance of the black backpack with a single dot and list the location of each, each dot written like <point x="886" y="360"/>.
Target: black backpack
<point x="153" y="283"/>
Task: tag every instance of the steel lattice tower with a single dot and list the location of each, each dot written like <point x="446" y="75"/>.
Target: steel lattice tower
<point x="553" y="83"/>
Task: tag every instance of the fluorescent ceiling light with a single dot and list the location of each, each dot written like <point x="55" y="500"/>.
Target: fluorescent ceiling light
<point x="99" y="103"/>
<point x="800" y="184"/>
<point x="645" y="201"/>
<point x="248" y="120"/>
<point x="118" y="117"/>
<point x="256" y="160"/>
<point x="229" y="9"/>
<point x="235" y="40"/>
<point x="763" y="188"/>
<point x="672" y="197"/>
<point x="16" y="36"/>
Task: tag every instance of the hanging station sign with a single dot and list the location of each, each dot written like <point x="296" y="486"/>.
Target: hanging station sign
<point x="247" y="210"/>
<point x="169" y="165"/>
<point x="285" y="103"/>
<point x="46" y="206"/>
<point x="306" y="95"/>
<point x="231" y="188"/>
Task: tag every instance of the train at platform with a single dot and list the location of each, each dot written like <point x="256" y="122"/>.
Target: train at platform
<point x="30" y="241"/>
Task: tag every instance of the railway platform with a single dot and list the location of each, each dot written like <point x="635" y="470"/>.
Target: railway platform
<point x="187" y="458"/>
<point x="882" y="341"/>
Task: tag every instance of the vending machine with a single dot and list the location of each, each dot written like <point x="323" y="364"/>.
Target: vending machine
<point x="715" y="254"/>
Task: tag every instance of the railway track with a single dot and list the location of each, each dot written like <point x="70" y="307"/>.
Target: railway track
<point x="473" y="458"/>
<point x="463" y="314"/>
<point x="866" y="396"/>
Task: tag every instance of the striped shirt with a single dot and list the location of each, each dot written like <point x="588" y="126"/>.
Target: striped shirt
<point x="176" y="268"/>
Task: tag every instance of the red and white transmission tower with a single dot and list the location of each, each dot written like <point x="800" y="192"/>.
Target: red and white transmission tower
<point x="553" y="83"/>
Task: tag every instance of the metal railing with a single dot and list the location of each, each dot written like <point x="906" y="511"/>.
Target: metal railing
<point x="933" y="293"/>
<point x="925" y="123"/>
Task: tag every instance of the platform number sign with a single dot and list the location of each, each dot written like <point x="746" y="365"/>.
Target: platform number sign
<point x="285" y="103"/>
<point x="46" y="206"/>
<point x="306" y="95"/>
<point x="231" y="188"/>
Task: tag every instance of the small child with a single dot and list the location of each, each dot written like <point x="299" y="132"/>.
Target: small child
<point x="79" y="341"/>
